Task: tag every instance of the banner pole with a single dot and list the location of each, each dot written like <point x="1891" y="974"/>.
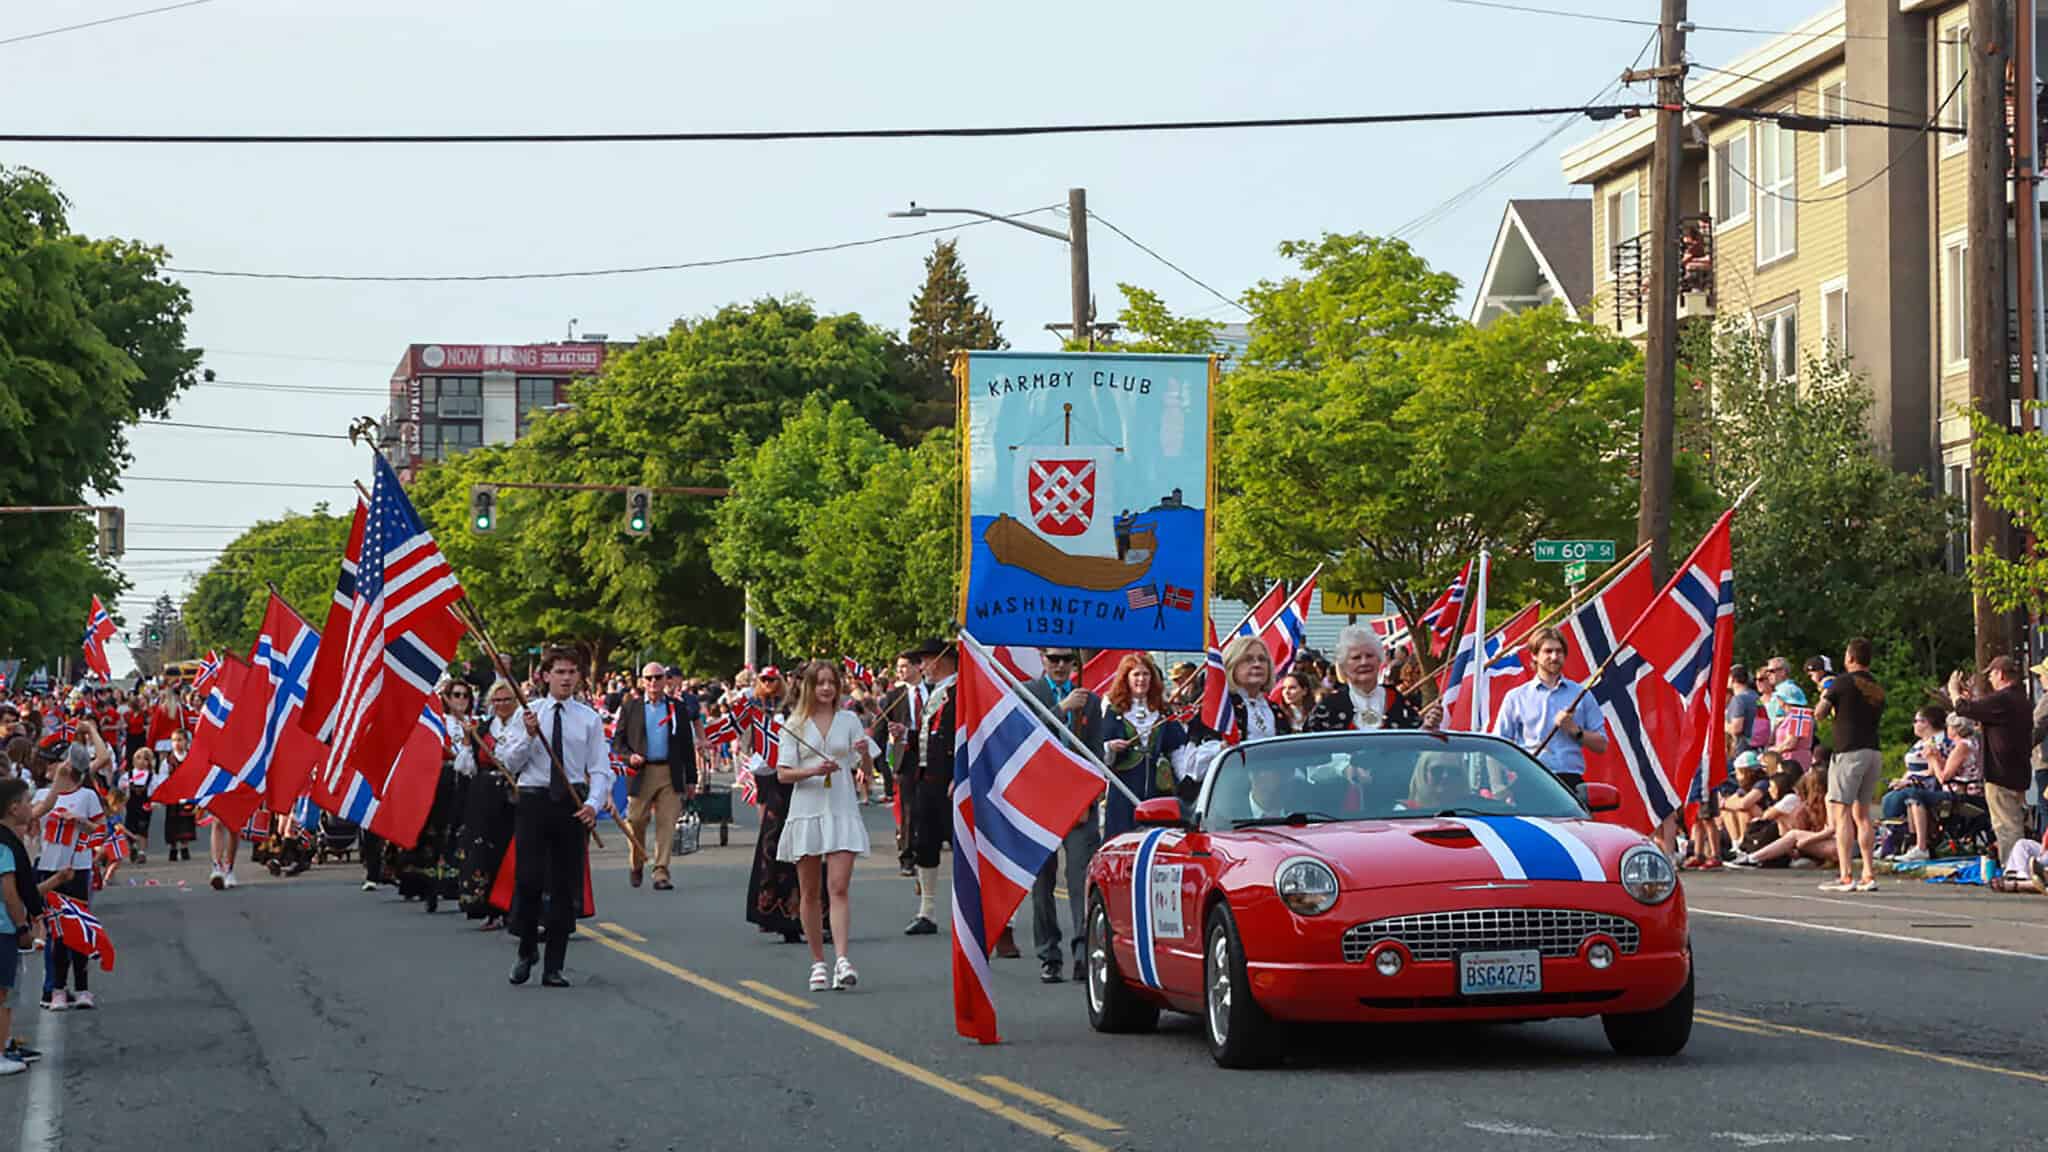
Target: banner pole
<point x="1051" y="718"/>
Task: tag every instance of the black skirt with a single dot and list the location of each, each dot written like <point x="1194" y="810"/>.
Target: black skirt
<point x="486" y="830"/>
<point x="772" y="898"/>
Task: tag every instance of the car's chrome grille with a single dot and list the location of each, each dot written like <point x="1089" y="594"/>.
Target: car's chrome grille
<point x="1555" y="932"/>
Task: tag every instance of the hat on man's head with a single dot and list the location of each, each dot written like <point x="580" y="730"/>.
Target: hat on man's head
<point x="1820" y="664"/>
<point x="673" y="672"/>
<point x="771" y="672"/>
<point x="929" y="648"/>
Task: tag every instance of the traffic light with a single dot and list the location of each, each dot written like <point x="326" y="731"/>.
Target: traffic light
<point x="483" y="507"/>
<point x="639" y="502"/>
<point x="113" y="532"/>
<point x="156" y="636"/>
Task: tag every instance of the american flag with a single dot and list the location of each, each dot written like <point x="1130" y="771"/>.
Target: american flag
<point x="208" y="669"/>
<point x="99" y="628"/>
<point x="1144" y="596"/>
<point x="401" y="634"/>
<point x="78" y="929"/>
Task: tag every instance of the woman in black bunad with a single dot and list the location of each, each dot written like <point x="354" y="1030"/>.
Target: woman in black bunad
<point x="773" y="902"/>
<point x="1248" y="671"/>
<point x="1139" y="739"/>
<point x="488" y="806"/>
<point x="1362" y="701"/>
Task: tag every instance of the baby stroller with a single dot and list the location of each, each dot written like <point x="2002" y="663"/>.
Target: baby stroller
<point x="337" y="839"/>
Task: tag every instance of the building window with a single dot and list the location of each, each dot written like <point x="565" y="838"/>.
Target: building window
<point x="1624" y="223"/>
<point x="1707" y="191"/>
<point x="1834" y="317"/>
<point x="536" y="392"/>
<point x="1955" y="315"/>
<point x="1952" y="67"/>
<point x="1731" y="181"/>
<point x="1777" y="179"/>
<point x="459" y="397"/>
<point x="1780" y="332"/>
<point x="1834" y="143"/>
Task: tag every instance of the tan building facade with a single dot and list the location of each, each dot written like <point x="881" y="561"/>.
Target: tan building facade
<point x="1847" y="241"/>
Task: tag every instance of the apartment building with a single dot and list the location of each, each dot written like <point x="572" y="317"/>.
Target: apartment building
<point x="1843" y="240"/>
<point x="446" y="398"/>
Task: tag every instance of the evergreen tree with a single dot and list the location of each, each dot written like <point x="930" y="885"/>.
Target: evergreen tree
<point x="945" y="317"/>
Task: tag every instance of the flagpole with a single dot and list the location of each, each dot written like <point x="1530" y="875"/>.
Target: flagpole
<point x="1622" y="645"/>
<point x="1050" y="717"/>
<point x="475" y="620"/>
<point x="1457" y="630"/>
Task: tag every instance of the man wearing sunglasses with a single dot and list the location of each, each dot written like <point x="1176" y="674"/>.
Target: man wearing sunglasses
<point x="653" y="738"/>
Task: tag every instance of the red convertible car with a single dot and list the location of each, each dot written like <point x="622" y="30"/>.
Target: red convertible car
<point x="1386" y="876"/>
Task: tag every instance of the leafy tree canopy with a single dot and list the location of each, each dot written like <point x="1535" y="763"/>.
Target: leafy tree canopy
<point x="300" y="553"/>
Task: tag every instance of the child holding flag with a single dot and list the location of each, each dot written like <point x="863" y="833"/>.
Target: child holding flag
<point x="70" y="813"/>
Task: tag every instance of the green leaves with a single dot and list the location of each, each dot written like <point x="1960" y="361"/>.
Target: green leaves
<point x="299" y="553"/>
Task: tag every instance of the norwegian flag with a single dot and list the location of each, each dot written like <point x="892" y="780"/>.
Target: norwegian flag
<point x="1265" y="613"/>
<point x="264" y="730"/>
<point x="1465" y="691"/>
<point x="857" y="671"/>
<point x="720" y="730"/>
<point x="1016" y="791"/>
<point x="1393" y="632"/>
<point x="1644" y="726"/>
<point x="1216" y="714"/>
<point x="1505" y="668"/>
<point x="1025" y="664"/>
<point x="109" y="844"/>
<point x="1288" y="632"/>
<point x="99" y="628"/>
<point x="1440" y="619"/>
<point x="749" y="790"/>
<point x="1179" y="599"/>
<point x="73" y="924"/>
<point x="401" y="633"/>
<point x="1686" y="641"/>
<point x="394" y="803"/>
<point x="207" y="757"/>
<point x="209" y="667"/>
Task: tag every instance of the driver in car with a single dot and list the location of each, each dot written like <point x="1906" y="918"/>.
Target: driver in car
<point x="1275" y="791"/>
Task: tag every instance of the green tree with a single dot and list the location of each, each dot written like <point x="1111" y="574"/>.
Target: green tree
<point x="92" y="338"/>
<point x="300" y="553"/>
<point x="945" y="317"/>
<point x="888" y="551"/>
<point x="1832" y="543"/>
<point x="2013" y="467"/>
<point x="1146" y="324"/>
<point x="1373" y="431"/>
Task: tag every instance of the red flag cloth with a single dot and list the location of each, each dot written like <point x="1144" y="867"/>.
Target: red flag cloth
<point x="1639" y="724"/>
<point x="99" y="628"/>
<point x="1016" y="790"/>
<point x="292" y="765"/>
<point x="187" y="779"/>
<point x="73" y="924"/>
<point x="405" y="796"/>
<point x="1101" y="669"/>
<point x="1216" y="714"/>
<point x="1441" y="617"/>
<point x="507" y="881"/>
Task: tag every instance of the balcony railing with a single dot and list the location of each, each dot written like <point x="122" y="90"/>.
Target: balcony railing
<point x="1630" y="260"/>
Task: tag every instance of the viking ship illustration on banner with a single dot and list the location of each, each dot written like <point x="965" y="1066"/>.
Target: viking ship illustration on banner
<point x="1088" y="480"/>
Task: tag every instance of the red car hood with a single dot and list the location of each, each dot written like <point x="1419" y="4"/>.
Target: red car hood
<point x="1388" y="853"/>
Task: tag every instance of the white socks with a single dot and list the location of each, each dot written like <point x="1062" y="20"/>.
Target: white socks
<point x="927" y="892"/>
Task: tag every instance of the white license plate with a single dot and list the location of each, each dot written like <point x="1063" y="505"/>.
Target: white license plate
<point x="1496" y="973"/>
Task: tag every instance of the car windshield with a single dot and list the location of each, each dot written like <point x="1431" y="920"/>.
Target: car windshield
<point x="1380" y="776"/>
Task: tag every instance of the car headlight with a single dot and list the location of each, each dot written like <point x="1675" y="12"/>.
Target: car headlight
<point x="1306" y="885"/>
<point x="1647" y="874"/>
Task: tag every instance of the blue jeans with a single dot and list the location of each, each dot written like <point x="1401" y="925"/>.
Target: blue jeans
<point x="1898" y="800"/>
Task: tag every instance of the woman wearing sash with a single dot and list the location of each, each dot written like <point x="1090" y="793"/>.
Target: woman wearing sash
<point x="487" y="811"/>
<point x="1139" y="739"/>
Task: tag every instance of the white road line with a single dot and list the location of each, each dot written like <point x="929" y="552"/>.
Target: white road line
<point x="1855" y="902"/>
<point x="45" y="1107"/>
<point x="1979" y="948"/>
<point x="1504" y="1128"/>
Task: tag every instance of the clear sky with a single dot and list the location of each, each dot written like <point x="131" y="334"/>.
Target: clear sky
<point x="1216" y="203"/>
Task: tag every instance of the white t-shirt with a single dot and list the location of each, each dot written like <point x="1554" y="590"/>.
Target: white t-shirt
<point x="63" y="841"/>
<point x="1785" y="806"/>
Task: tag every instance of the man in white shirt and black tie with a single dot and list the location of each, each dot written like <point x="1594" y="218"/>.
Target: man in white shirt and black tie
<point x="556" y="810"/>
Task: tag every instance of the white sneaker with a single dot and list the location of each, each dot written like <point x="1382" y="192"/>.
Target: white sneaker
<point x="1804" y="862"/>
<point x="369" y="885"/>
<point x="1912" y="856"/>
<point x="60" y="1001"/>
<point x="11" y="1067"/>
<point x="230" y="877"/>
<point x="216" y="878"/>
<point x="819" y="980"/>
<point x="843" y="975"/>
<point x="84" y="1002"/>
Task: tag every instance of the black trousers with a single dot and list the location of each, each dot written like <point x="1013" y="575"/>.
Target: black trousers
<point x="372" y="847"/>
<point x="928" y="806"/>
<point x="549" y="862"/>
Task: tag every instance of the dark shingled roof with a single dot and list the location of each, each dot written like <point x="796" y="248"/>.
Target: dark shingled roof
<point x="1562" y="230"/>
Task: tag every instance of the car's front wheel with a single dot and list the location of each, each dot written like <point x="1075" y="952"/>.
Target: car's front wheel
<point x="1112" y="1005"/>
<point x="1655" y="1034"/>
<point x="1240" y="1033"/>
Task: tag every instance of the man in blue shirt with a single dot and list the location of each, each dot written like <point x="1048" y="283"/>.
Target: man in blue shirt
<point x="655" y="739"/>
<point x="1550" y="701"/>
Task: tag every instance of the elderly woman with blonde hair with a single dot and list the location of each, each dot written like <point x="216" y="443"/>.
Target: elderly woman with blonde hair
<point x="1248" y="676"/>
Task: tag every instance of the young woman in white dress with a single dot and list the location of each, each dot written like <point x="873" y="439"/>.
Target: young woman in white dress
<point x="821" y="745"/>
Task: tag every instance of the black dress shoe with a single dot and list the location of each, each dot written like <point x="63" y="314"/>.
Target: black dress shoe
<point x="906" y="870"/>
<point x="921" y="927"/>
<point x="553" y="980"/>
<point x="522" y="970"/>
<point x="1080" y="970"/>
<point x="1049" y="973"/>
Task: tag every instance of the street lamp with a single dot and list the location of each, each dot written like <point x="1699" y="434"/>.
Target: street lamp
<point x="1075" y="238"/>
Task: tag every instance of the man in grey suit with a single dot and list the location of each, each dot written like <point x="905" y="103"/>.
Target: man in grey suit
<point x="1060" y="691"/>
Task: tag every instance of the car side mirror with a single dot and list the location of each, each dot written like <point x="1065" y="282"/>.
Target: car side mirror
<point x="1600" y="797"/>
<point x="1161" y="812"/>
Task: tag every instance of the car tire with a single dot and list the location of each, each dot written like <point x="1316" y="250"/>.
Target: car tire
<point x="1656" y="1034"/>
<point x="1113" y="1006"/>
<point x="1239" y="1032"/>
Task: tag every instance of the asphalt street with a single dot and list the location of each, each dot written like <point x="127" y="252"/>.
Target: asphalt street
<point x="306" y="1014"/>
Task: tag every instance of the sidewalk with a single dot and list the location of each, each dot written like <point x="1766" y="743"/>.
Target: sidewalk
<point x="1902" y="908"/>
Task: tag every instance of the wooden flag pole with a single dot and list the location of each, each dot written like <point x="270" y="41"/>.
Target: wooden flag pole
<point x="1051" y="718"/>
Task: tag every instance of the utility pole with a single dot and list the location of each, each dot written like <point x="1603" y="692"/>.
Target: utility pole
<point x="1660" y="361"/>
<point x="2026" y="171"/>
<point x="1984" y="289"/>
<point x="1077" y="265"/>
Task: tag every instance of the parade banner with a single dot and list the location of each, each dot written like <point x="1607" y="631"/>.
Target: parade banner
<point x="1088" y="488"/>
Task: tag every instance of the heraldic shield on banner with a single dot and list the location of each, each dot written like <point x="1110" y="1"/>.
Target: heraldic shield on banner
<point x="1088" y="491"/>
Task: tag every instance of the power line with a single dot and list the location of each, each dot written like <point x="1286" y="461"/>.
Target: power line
<point x="255" y="431"/>
<point x="298" y="356"/>
<point x="304" y="389"/>
<point x="232" y="483"/>
<point x="232" y="548"/>
<point x="1603" y="18"/>
<point x="1185" y="274"/>
<point x="719" y="262"/>
<point x="1898" y="155"/>
<point x="1797" y="92"/>
<point x="774" y="135"/>
<point x="27" y="36"/>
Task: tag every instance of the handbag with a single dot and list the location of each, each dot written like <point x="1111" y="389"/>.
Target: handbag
<point x="689" y="832"/>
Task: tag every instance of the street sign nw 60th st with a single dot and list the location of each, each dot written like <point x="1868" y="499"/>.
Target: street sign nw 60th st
<point x="1569" y="551"/>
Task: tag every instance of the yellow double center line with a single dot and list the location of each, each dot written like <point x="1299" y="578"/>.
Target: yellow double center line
<point x="1029" y="1121"/>
<point x="1755" y="1027"/>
